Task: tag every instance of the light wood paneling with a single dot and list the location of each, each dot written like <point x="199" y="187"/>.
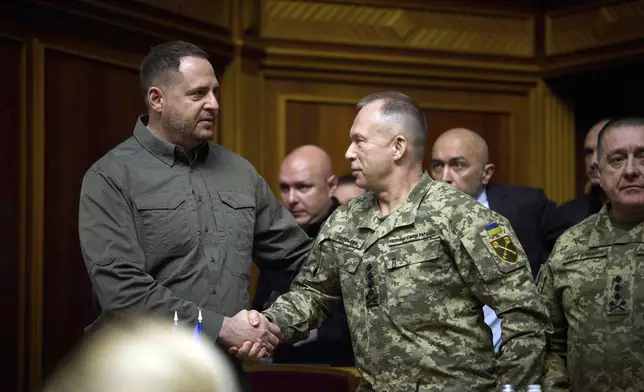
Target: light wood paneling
<point x="327" y="125"/>
<point x="322" y="113"/>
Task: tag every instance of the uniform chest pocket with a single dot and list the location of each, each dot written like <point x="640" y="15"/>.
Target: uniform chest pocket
<point x="348" y="260"/>
<point x="164" y="224"/>
<point x="417" y="278"/>
<point x="587" y="285"/>
<point x="239" y="216"/>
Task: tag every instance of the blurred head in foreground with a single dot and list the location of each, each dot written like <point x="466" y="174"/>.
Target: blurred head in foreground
<point x="144" y="355"/>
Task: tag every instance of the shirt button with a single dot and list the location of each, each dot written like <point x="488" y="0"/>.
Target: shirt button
<point x="199" y="199"/>
<point x="214" y="290"/>
<point x="207" y="229"/>
<point x="212" y="259"/>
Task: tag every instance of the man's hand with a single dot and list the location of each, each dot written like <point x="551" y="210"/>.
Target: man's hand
<point x="249" y="335"/>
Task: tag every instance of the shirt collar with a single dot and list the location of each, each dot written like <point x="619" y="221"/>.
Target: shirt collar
<point x="165" y="151"/>
<point x="483" y="198"/>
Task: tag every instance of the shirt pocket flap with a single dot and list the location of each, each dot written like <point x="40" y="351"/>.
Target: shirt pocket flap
<point x="348" y="258"/>
<point x="237" y="200"/>
<point x="159" y="202"/>
<point x="409" y="253"/>
<point x="592" y="254"/>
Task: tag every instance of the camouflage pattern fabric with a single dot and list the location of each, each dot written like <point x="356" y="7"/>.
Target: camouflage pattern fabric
<point x="413" y="285"/>
<point x="593" y="284"/>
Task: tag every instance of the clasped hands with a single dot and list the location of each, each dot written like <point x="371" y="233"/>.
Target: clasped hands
<point x="250" y="335"/>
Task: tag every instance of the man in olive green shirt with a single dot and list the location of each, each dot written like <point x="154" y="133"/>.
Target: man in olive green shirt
<point x="415" y="260"/>
<point x="593" y="282"/>
<point x="169" y="221"/>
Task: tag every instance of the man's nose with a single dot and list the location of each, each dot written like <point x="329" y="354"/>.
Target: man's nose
<point x="632" y="169"/>
<point x="211" y="102"/>
<point x="593" y="160"/>
<point x="292" y="197"/>
<point x="446" y="176"/>
<point x="349" y="154"/>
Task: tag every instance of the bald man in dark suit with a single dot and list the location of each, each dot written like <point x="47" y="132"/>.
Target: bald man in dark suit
<point x="460" y="157"/>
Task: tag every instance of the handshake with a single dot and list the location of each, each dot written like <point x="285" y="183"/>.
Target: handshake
<point x="249" y="335"/>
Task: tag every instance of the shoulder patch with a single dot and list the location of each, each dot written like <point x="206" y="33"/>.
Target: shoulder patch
<point x="501" y="243"/>
<point x="505" y="249"/>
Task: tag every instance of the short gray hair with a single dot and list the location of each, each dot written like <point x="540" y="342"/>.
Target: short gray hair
<point x="399" y="108"/>
<point x="614" y="124"/>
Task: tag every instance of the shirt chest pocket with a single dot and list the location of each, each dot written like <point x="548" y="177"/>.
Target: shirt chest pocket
<point x="418" y="275"/>
<point x="164" y="224"/>
<point x="348" y="260"/>
<point x="586" y="285"/>
<point x="239" y="218"/>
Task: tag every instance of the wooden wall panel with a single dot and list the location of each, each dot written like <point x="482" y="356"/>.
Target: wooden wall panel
<point x="12" y="100"/>
<point x="327" y="125"/>
<point x="321" y="113"/>
<point x="91" y="106"/>
<point x="493" y="127"/>
<point x="324" y="125"/>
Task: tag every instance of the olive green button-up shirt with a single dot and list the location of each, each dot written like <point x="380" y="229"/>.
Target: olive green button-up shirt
<point x="413" y="285"/>
<point x="161" y="233"/>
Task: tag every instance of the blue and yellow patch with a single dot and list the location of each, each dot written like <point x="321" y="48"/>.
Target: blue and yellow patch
<point x="493" y="229"/>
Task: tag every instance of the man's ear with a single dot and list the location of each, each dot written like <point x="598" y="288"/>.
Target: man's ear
<point x="156" y="99"/>
<point x="399" y="147"/>
<point x="332" y="183"/>
<point x="488" y="172"/>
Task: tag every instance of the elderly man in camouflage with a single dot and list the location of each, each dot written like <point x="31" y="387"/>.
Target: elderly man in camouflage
<point x="593" y="282"/>
<point x="414" y="260"/>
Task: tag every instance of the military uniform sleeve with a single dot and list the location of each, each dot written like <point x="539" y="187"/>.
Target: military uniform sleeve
<point x="115" y="260"/>
<point x="279" y="242"/>
<point x="555" y="376"/>
<point x="314" y="294"/>
<point x="491" y="259"/>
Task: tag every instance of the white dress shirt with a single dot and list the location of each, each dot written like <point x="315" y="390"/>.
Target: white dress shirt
<point x="490" y="316"/>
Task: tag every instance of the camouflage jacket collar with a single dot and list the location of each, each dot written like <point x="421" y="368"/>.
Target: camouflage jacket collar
<point x="604" y="232"/>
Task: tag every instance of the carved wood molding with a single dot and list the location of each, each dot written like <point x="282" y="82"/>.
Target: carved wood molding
<point x="207" y="11"/>
<point x="372" y="26"/>
<point x="593" y="27"/>
<point x="135" y="22"/>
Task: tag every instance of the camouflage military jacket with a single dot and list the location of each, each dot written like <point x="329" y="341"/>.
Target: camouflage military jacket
<point x="413" y="285"/>
<point x="593" y="284"/>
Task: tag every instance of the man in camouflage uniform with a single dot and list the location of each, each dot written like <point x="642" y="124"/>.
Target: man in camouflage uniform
<point x="593" y="282"/>
<point x="414" y="260"/>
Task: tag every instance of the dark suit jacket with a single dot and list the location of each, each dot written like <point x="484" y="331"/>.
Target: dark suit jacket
<point x="534" y="218"/>
<point x="576" y="210"/>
